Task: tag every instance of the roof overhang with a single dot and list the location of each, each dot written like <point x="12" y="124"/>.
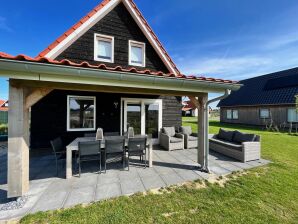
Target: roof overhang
<point x="34" y="71"/>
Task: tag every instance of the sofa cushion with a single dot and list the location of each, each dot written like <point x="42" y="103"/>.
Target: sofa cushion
<point x="175" y="140"/>
<point x="225" y="135"/>
<point x="240" y="137"/>
<point x="230" y="145"/>
<point x="186" y="130"/>
<point x="170" y="131"/>
<point x="192" y="138"/>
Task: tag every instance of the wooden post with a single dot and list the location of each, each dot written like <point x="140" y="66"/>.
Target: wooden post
<point x="200" y="103"/>
<point x="18" y="142"/>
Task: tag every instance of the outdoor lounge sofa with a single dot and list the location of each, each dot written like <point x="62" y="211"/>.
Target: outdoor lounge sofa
<point x="241" y="146"/>
<point x="170" y="140"/>
<point x="190" y="139"/>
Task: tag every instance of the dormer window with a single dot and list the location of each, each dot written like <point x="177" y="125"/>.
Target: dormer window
<point x="103" y="48"/>
<point x="137" y="53"/>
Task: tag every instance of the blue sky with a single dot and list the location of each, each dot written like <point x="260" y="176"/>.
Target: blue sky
<point x="228" y="39"/>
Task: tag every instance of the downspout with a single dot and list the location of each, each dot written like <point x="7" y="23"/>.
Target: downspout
<point x="206" y="125"/>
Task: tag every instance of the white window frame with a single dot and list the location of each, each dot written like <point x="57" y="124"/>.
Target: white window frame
<point x="288" y="115"/>
<point x="143" y="102"/>
<point x="105" y="38"/>
<point x="133" y="43"/>
<point x="263" y="109"/>
<point x="68" y="113"/>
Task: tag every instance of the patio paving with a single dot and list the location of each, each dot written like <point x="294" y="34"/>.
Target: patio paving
<point x="48" y="192"/>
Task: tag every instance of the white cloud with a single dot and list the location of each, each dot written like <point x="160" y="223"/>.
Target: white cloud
<point x="3" y="24"/>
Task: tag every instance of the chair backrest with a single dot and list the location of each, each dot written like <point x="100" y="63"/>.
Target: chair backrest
<point x="130" y="132"/>
<point x="111" y="134"/>
<point x="137" y="144"/>
<point x="170" y="131"/>
<point x="114" y="144"/>
<point x="185" y="130"/>
<point x="57" y="145"/>
<point x="99" y="134"/>
<point x="89" y="148"/>
<point x="90" y="135"/>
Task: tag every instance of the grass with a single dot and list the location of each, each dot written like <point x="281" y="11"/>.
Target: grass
<point x="264" y="195"/>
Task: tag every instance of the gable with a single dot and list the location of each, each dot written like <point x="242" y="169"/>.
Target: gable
<point x="99" y="12"/>
<point x="121" y="25"/>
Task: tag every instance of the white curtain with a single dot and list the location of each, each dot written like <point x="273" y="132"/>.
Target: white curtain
<point x="136" y="55"/>
<point x="104" y="49"/>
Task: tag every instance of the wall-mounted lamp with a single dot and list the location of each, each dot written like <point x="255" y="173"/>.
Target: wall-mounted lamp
<point x="116" y="105"/>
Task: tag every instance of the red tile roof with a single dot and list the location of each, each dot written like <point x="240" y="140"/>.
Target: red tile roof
<point x="2" y="107"/>
<point x="105" y="67"/>
<point x="2" y="102"/>
<point x="90" y="14"/>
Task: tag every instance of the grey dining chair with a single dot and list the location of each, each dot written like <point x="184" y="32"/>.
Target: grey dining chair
<point x="89" y="151"/>
<point x="59" y="151"/>
<point x="137" y="147"/>
<point x="114" y="150"/>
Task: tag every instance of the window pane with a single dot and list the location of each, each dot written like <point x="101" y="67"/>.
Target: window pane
<point x="151" y="114"/>
<point x="235" y="114"/>
<point x="264" y="113"/>
<point x="229" y="114"/>
<point x="82" y="113"/>
<point x="104" y="49"/>
<point x="137" y="55"/>
<point x="134" y="117"/>
<point x="292" y="115"/>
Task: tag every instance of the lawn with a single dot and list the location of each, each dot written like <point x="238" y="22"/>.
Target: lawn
<point x="263" y="195"/>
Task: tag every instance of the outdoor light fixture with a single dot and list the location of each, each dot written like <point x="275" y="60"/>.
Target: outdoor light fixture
<point x="116" y="105"/>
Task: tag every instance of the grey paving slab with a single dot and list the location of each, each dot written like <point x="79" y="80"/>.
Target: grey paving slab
<point x="80" y="196"/>
<point x="84" y="181"/>
<point x="50" y="201"/>
<point x="218" y="170"/>
<point x="106" y="191"/>
<point x="188" y="175"/>
<point x="132" y="186"/>
<point x="147" y="172"/>
<point x="171" y="179"/>
<point x="153" y="182"/>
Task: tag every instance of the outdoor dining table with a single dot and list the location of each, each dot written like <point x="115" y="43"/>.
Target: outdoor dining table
<point x="74" y="146"/>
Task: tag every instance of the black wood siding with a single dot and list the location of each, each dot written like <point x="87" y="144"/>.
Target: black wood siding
<point x="49" y="115"/>
<point x="119" y="24"/>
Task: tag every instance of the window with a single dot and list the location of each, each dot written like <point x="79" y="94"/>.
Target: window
<point x="81" y="113"/>
<point x="235" y="114"/>
<point x="232" y="114"/>
<point x="137" y="54"/>
<point x="292" y="115"/>
<point x="103" y="48"/>
<point x="264" y="113"/>
<point x="229" y="114"/>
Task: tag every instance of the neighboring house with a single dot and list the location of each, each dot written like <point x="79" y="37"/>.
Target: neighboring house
<point x="110" y="71"/>
<point x="263" y="100"/>
<point x="189" y="109"/>
<point x="3" y="111"/>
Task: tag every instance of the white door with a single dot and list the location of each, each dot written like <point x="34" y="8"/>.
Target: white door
<point x="144" y="115"/>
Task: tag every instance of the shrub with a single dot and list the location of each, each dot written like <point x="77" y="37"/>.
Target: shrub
<point x="3" y="129"/>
